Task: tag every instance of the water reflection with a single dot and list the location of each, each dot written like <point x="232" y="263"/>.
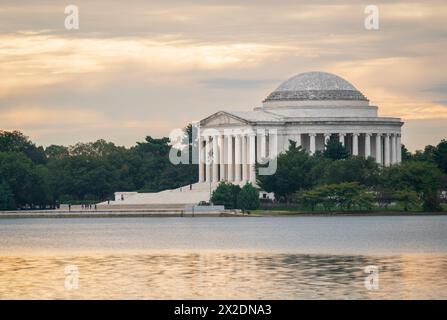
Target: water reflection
<point x="215" y="275"/>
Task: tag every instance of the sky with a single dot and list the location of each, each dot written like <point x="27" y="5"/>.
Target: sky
<point x="136" y="68"/>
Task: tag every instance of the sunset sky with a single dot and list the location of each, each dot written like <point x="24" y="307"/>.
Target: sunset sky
<point x="138" y="67"/>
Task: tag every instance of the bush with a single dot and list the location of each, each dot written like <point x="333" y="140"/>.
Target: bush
<point x="424" y="178"/>
<point x="248" y="198"/>
<point x="226" y="194"/>
<point x="342" y="195"/>
<point x="407" y="198"/>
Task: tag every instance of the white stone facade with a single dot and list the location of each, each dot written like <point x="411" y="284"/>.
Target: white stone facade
<point x="309" y="108"/>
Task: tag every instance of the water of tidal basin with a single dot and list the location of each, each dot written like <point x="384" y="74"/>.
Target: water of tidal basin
<point x="206" y="258"/>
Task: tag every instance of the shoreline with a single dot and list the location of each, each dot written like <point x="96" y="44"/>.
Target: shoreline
<point x="30" y="214"/>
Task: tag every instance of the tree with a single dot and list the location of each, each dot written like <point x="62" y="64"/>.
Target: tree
<point x="440" y="155"/>
<point x="16" y="141"/>
<point x="293" y="173"/>
<point x="406" y="155"/>
<point x="407" y="198"/>
<point x="308" y="198"/>
<point x="343" y="195"/>
<point x="6" y="197"/>
<point x="56" y="152"/>
<point x="22" y="177"/>
<point x="423" y="177"/>
<point x="226" y="194"/>
<point x="97" y="149"/>
<point x="248" y="198"/>
<point x="353" y="169"/>
<point x="335" y="150"/>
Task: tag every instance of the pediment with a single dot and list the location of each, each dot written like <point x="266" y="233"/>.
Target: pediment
<point x="222" y="119"/>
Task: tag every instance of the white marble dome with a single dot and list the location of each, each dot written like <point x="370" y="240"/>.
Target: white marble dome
<point x="321" y="86"/>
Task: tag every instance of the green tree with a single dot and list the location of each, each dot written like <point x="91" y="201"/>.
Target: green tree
<point x="293" y="173"/>
<point x="6" y="197"/>
<point x="308" y="198"/>
<point x="16" y="141"/>
<point x="406" y="155"/>
<point x="342" y="195"/>
<point x="335" y="150"/>
<point x="56" y="152"/>
<point x="248" y="198"/>
<point x="440" y="155"/>
<point x="407" y="198"/>
<point x="97" y="149"/>
<point x="226" y="194"/>
<point x="423" y="177"/>
<point x="353" y="169"/>
<point x="22" y="177"/>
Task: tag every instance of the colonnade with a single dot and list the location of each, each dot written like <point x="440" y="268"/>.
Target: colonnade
<point x="232" y="157"/>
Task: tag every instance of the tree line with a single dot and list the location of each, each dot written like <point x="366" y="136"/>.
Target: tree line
<point x="335" y="180"/>
<point x="32" y="176"/>
<point x="36" y="177"/>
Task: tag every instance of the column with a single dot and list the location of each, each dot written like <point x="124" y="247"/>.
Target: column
<point x="201" y="160"/>
<point x="263" y="145"/>
<point x="379" y="148"/>
<point x="230" y="168"/>
<point x="244" y="158"/>
<point x="215" y="159"/>
<point x="367" y="145"/>
<point x="327" y="137"/>
<point x="237" y="158"/>
<point x="341" y="137"/>
<point x="273" y="145"/>
<point x="355" y="144"/>
<point x="252" y="158"/>
<point x="221" y="158"/>
<point x="207" y="159"/>
<point x="393" y="149"/>
<point x="387" y="150"/>
<point x="313" y="146"/>
<point x="399" y="149"/>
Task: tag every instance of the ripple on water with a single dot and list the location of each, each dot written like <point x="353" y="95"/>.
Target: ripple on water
<point x="215" y="275"/>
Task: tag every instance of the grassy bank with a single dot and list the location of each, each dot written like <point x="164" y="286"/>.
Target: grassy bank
<point x="375" y="211"/>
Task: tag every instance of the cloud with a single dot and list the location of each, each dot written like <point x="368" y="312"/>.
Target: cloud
<point x="42" y="60"/>
<point x="232" y="83"/>
<point x="146" y="67"/>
